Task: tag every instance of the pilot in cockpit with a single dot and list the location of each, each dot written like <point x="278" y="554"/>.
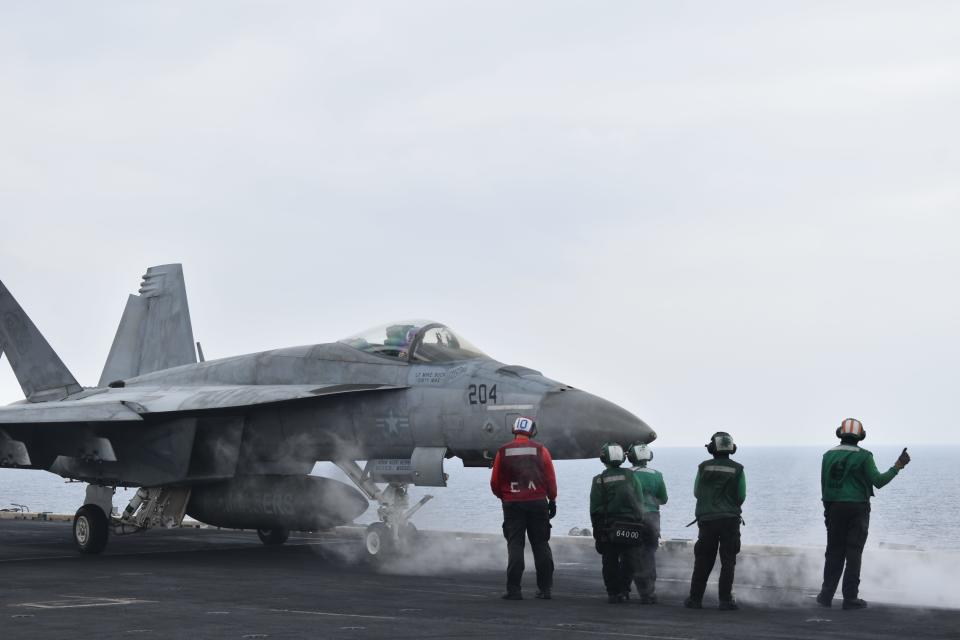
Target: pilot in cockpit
<point x="400" y="336"/>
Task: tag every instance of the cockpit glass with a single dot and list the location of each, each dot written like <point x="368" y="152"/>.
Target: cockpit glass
<point x="438" y="343"/>
<point x="415" y="341"/>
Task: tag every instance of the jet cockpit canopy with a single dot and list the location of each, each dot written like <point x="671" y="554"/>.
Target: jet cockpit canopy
<point x="415" y="341"/>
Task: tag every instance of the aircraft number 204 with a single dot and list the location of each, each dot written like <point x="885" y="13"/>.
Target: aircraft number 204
<point x="481" y="394"/>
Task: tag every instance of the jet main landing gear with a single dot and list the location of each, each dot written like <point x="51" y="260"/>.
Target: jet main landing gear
<point x="150" y="507"/>
<point x="272" y="537"/>
<point x="91" y="529"/>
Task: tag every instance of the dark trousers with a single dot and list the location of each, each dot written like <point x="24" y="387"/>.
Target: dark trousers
<point x="725" y="535"/>
<point x="645" y="556"/>
<point x="533" y="520"/>
<point x="617" y="567"/>
<point x="847" y="525"/>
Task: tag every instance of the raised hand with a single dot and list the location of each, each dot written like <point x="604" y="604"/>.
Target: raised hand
<point x="903" y="460"/>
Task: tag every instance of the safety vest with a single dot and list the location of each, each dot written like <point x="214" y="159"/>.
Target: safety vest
<point x="521" y="473"/>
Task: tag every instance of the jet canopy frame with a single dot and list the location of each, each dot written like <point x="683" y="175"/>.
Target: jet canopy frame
<point x="416" y="341"/>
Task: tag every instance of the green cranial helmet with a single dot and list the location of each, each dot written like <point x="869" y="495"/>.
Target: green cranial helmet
<point x="612" y="454"/>
<point x="639" y="453"/>
<point x="721" y="442"/>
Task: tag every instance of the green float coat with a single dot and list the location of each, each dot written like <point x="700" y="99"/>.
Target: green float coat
<point x="653" y="488"/>
<point x="616" y="495"/>
<point x="720" y="488"/>
<point x="849" y="474"/>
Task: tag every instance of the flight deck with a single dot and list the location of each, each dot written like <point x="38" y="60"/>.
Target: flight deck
<point x="210" y="583"/>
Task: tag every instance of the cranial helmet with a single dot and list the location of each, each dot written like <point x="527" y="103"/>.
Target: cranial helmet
<point x="612" y="454"/>
<point x="721" y="442"/>
<point x="525" y="426"/>
<point x="639" y="453"/>
<point x="851" y="428"/>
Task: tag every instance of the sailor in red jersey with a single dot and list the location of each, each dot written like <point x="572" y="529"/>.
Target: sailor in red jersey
<point x="524" y="480"/>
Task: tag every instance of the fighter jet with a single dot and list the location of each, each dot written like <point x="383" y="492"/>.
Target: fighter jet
<point x="232" y="442"/>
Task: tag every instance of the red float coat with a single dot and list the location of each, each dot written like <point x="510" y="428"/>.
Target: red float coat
<point x="523" y="471"/>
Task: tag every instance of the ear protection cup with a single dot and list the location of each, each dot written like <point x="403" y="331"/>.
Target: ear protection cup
<point x="722" y="437"/>
<point x="525" y="426"/>
<point x="861" y="436"/>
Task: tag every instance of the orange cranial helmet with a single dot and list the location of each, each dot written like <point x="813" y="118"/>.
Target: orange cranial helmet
<point x="851" y="428"/>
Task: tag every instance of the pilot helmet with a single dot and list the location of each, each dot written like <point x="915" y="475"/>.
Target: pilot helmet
<point x="851" y="428"/>
<point x="639" y="453"/>
<point x="524" y="426"/>
<point x="721" y="442"/>
<point x="612" y="454"/>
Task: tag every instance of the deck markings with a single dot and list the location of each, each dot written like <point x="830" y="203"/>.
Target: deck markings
<point x="82" y="602"/>
<point x="333" y="614"/>
<point x="571" y="629"/>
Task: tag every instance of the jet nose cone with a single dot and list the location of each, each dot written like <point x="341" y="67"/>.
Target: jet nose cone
<point x="575" y="424"/>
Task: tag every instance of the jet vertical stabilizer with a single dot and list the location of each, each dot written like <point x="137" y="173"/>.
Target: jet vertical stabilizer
<point x="155" y="331"/>
<point x="39" y="370"/>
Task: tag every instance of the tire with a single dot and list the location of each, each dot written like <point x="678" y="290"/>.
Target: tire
<point x="378" y="541"/>
<point x="272" y="537"/>
<point x="91" y="529"/>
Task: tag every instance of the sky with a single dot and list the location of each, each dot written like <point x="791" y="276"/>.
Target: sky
<point x="740" y="216"/>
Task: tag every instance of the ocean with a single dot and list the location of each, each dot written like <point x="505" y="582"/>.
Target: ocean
<point x="919" y="508"/>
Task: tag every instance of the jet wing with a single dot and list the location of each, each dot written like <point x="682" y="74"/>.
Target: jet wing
<point x="131" y="403"/>
<point x="58" y="412"/>
<point x="176" y="399"/>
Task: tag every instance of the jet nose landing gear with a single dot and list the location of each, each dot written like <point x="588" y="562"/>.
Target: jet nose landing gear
<point x="394" y="535"/>
<point x="378" y="540"/>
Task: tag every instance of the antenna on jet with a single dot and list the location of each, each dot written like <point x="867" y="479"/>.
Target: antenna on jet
<point x="200" y="353"/>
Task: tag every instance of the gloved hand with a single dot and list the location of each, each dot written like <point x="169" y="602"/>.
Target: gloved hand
<point x="552" y="508"/>
<point x="903" y="460"/>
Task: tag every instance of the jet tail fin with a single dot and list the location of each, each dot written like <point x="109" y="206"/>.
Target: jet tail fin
<point x="39" y="370"/>
<point x="155" y="332"/>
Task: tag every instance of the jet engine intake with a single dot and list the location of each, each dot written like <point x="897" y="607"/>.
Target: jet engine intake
<point x="296" y="503"/>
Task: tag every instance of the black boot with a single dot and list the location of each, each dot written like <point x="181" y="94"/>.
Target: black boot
<point x="729" y="605"/>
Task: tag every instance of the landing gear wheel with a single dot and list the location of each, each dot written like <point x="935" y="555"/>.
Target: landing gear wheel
<point x="271" y="537"/>
<point x="90" y="529"/>
<point x="378" y="541"/>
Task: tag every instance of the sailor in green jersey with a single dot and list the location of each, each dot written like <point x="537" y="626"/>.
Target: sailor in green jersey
<point x="720" y="488"/>
<point x="614" y="497"/>
<point x="848" y="476"/>
<point x="654" y="494"/>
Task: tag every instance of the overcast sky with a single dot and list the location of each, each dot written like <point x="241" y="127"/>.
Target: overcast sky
<point x="719" y="215"/>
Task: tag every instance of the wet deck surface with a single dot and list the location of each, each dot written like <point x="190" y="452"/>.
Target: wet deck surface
<point x="199" y="583"/>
